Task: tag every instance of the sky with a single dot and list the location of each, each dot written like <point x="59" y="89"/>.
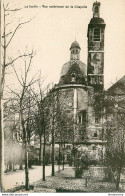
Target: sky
<point x="52" y="31"/>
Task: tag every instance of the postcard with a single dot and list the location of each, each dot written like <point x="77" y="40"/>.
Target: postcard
<point x="62" y="96"/>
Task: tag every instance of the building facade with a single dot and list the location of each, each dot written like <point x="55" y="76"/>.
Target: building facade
<point x="72" y="116"/>
<point x="115" y="114"/>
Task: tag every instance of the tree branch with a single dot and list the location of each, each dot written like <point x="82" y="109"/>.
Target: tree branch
<point x="6" y="35"/>
<point x="17" y="75"/>
<point x="24" y="55"/>
<point x="17" y="9"/>
<point x="18" y="26"/>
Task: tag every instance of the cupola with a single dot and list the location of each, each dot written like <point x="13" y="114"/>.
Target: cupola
<point x="75" y="51"/>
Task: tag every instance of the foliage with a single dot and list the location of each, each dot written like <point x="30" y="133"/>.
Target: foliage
<point x="114" y="125"/>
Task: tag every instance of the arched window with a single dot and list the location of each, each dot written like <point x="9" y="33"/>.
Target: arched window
<point x="73" y="79"/>
<point x="96" y="34"/>
<point x="96" y="9"/>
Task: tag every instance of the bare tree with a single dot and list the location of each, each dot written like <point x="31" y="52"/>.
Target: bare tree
<point x="40" y="121"/>
<point x="24" y="106"/>
<point x="6" y="40"/>
<point x="7" y="37"/>
<point x="58" y="122"/>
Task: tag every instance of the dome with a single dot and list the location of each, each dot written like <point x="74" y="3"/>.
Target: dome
<point x="75" y="44"/>
<point x="67" y="66"/>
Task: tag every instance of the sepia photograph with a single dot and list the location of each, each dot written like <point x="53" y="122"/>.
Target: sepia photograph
<point x="62" y="96"/>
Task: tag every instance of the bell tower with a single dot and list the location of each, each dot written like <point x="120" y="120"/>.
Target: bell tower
<point x="95" y="69"/>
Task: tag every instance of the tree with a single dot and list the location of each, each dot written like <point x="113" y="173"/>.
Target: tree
<point x="45" y="121"/>
<point x="24" y="106"/>
<point x="38" y="115"/>
<point x="110" y="108"/>
<point x="51" y="102"/>
<point x="6" y="39"/>
<point x="109" y="105"/>
<point x="59" y="121"/>
<point x="114" y="160"/>
<point x="40" y="121"/>
<point x="114" y="157"/>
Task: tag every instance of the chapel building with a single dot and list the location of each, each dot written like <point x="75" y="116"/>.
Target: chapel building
<point x="80" y="124"/>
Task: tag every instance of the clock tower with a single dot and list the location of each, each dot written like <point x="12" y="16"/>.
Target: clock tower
<point x="95" y="69"/>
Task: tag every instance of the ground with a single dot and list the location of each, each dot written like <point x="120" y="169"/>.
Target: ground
<point x="17" y="178"/>
<point x="64" y="181"/>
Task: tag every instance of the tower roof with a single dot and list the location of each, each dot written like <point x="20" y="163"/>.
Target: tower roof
<point x="75" y="44"/>
<point x="97" y="21"/>
<point x="96" y="3"/>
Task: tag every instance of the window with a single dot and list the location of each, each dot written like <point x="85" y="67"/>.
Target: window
<point x="95" y="134"/>
<point x="96" y="34"/>
<point x="73" y="79"/>
<point x="96" y="120"/>
<point x="68" y="147"/>
<point x="80" y="119"/>
<point x="96" y="9"/>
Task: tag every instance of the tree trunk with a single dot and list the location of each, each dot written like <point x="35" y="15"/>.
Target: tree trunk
<point x="59" y="160"/>
<point x="1" y="151"/>
<point x="63" y="162"/>
<point x="40" y="150"/>
<point x="21" y="160"/>
<point x="53" y="159"/>
<point x="26" y="169"/>
<point x="21" y="166"/>
<point x="117" y="185"/>
<point x="13" y="167"/>
<point x="10" y="165"/>
<point x="118" y="180"/>
<point x="44" y="150"/>
<point x="63" y="156"/>
<point x="1" y="110"/>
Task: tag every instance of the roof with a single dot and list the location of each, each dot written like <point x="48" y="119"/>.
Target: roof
<point x="75" y="44"/>
<point x="97" y="21"/>
<point x="118" y="87"/>
<point x="96" y="3"/>
<point x="67" y="66"/>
